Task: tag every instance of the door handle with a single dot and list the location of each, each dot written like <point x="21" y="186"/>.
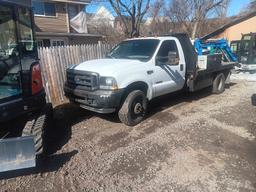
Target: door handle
<point x="150" y="72"/>
<point x="181" y="67"/>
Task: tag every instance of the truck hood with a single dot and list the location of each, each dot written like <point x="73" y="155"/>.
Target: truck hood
<point x="108" y="67"/>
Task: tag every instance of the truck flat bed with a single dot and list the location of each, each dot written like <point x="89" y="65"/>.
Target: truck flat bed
<point x="223" y="66"/>
<point x="199" y="78"/>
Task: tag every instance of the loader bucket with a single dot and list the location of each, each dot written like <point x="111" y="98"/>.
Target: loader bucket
<point x="17" y="153"/>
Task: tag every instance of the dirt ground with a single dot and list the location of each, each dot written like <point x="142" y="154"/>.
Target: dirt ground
<point x="189" y="142"/>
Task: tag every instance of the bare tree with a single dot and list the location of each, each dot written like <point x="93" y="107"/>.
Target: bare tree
<point x="249" y="8"/>
<point x="156" y="8"/>
<point x="131" y="13"/>
<point x="191" y="14"/>
<point x="157" y="23"/>
<point x="110" y="35"/>
<point x="252" y="6"/>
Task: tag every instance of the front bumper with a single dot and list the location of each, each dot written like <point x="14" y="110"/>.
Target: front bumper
<point x="100" y="101"/>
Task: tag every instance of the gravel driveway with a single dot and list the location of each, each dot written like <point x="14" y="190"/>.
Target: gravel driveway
<point x="189" y="142"/>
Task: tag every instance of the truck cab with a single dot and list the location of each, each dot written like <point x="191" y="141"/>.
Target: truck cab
<point x="134" y="72"/>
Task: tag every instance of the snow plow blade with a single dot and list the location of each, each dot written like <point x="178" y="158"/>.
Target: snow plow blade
<point x="17" y="153"/>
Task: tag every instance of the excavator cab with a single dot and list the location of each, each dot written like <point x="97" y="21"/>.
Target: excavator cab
<point x="247" y="52"/>
<point x="248" y="49"/>
<point x="22" y="94"/>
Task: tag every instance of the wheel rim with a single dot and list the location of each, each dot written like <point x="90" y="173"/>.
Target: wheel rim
<point x="137" y="108"/>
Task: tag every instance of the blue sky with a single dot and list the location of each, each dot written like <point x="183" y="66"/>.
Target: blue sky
<point x="235" y="6"/>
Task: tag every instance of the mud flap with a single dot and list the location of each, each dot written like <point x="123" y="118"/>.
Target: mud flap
<point x="17" y="153"/>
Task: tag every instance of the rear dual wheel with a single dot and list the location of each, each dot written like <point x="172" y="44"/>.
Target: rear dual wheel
<point x="219" y="84"/>
<point x="134" y="108"/>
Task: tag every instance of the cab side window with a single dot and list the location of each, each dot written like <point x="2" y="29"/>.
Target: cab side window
<point x="168" y="47"/>
<point x="27" y="43"/>
<point x="10" y="84"/>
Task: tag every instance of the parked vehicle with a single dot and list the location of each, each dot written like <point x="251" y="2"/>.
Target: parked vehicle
<point x="22" y="95"/>
<point x="245" y="50"/>
<point x="138" y="70"/>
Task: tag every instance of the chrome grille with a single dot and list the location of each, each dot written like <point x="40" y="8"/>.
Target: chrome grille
<point x="85" y="80"/>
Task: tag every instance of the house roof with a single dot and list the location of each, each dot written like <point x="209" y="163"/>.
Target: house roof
<point x="26" y="3"/>
<point x="232" y="23"/>
<point x="50" y="34"/>
<point x="75" y="1"/>
<point x="104" y="12"/>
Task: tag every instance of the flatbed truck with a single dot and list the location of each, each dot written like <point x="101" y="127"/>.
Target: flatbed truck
<point x="138" y="70"/>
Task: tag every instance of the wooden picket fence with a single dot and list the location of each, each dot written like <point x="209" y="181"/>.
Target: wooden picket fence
<point x="55" y="61"/>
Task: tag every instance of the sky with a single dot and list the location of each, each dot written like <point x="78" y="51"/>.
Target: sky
<point x="235" y="6"/>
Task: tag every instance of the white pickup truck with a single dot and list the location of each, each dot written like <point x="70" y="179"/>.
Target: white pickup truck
<point x="140" y="69"/>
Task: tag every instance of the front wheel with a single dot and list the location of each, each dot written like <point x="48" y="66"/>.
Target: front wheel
<point x="133" y="109"/>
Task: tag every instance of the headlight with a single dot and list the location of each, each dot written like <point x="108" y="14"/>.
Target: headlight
<point x="108" y="83"/>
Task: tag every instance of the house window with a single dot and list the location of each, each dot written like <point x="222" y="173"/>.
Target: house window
<point x="58" y="43"/>
<point x="43" y="43"/>
<point x="44" y="8"/>
<point x="40" y="43"/>
<point x="72" y="10"/>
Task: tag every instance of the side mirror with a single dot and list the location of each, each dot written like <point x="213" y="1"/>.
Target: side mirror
<point x="254" y="99"/>
<point x="173" y="58"/>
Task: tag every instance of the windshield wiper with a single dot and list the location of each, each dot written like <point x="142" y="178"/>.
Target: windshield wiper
<point x="138" y="57"/>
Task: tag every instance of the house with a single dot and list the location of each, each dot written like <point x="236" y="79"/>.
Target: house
<point x="162" y="19"/>
<point x="233" y="30"/>
<point x="102" y="17"/>
<point x="62" y="22"/>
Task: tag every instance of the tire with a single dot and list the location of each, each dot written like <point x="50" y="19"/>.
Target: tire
<point x="38" y="127"/>
<point x="133" y="109"/>
<point x="219" y="84"/>
<point x="254" y="99"/>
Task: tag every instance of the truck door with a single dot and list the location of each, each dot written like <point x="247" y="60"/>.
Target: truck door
<point x="169" y="76"/>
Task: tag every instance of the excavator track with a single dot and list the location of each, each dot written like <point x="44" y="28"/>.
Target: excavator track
<point x="38" y="127"/>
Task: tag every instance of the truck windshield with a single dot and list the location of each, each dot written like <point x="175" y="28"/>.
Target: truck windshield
<point x="141" y="49"/>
